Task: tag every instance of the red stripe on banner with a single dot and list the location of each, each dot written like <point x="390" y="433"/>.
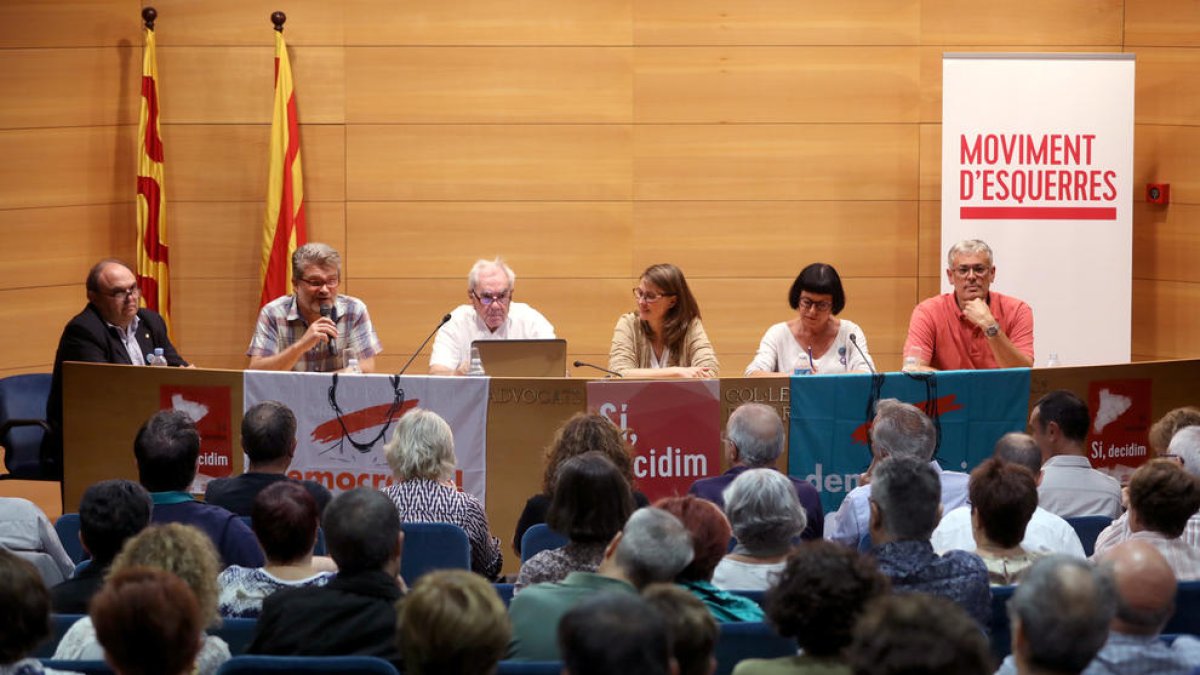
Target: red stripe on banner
<point x="151" y="242"/>
<point x="330" y="431"/>
<point x="1038" y="213"/>
<point x="944" y="405"/>
<point x="152" y="142"/>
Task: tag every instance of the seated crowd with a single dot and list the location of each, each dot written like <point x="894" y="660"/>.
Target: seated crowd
<point x="901" y="581"/>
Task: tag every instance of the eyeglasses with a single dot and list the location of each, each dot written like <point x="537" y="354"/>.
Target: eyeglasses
<point x="122" y="293"/>
<point x="486" y="299"/>
<point x="649" y="298"/>
<point x="821" y="306"/>
<point x="317" y="283"/>
<point x="964" y="271"/>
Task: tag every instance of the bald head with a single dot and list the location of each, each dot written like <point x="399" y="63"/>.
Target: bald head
<point x="1145" y="588"/>
<point x="1019" y="448"/>
<point x="757" y="433"/>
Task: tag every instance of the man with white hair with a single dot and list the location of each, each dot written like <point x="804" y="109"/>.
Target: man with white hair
<point x="973" y="327"/>
<point x="492" y="315"/>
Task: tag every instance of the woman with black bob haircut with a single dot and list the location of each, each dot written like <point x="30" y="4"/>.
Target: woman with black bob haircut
<point x="816" y="341"/>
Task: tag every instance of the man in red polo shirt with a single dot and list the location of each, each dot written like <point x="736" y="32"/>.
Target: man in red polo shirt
<point x="973" y="327"/>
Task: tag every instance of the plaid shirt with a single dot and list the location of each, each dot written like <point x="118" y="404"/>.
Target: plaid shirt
<point x="280" y="326"/>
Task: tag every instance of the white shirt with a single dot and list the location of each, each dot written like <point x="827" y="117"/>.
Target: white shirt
<point x="1071" y="487"/>
<point x="735" y="575"/>
<point x="80" y="644"/>
<point x="1118" y="532"/>
<point x="452" y="346"/>
<point x="24" y="528"/>
<point x="778" y="352"/>
<point x="852" y="521"/>
<point x="1045" y="532"/>
<point x="1183" y="559"/>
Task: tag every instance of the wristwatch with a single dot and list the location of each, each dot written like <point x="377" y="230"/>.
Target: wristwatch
<point x="992" y="330"/>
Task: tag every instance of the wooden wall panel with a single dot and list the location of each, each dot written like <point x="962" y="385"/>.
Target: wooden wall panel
<point x="1162" y="23"/>
<point x="488" y="22"/>
<point x="493" y="162"/>
<point x="245" y="24"/>
<point x="776" y="22"/>
<point x="851" y="162"/>
<point x="931" y="162"/>
<point x="927" y="287"/>
<point x="41" y="313"/>
<point x="1161" y="325"/>
<point x="1168" y="154"/>
<point x="1165" y="91"/>
<point x="776" y="84"/>
<point x="1022" y="22"/>
<point x="213" y="316"/>
<point x="68" y="23"/>
<point x="1165" y="245"/>
<point x="66" y="167"/>
<point x="235" y="85"/>
<point x="58" y="245"/>
<point x="441" y="240"/>
<point x="504" y="85"/>
<point x="69" y="87"/>
<point x="930" y="253"/>
<point x="776" y="239"/>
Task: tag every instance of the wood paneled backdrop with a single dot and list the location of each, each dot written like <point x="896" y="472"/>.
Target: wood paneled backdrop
<point x="582" y="139"/>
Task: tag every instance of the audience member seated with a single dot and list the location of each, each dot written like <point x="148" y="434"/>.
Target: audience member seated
<point x="821" y="593"/>
<point x="26" y="622"/>
<point x="653" y="547"/>
<point x="767" y="520"/>
<point x="899" y="429"/>
<point x="754" y="439"/>
<point x="452" y="621"/>
<point x="285" y="520"/>
<point x="148" y="622"/>
<point x="1069" y="485"/>
<point x="917" y="633"/>
<point x="691" y="628"/>
<point x="355" y="613"/>
<point x="1164" y="430"/>
<point x="1003" y="498"/>
<point x="110" y="512"/>
<point x="591" y="503"/>
<point x="1060" y="616"/>
<point x="421" y="455"/>
<point x="904" y="510"/>
<point x="269" y="441"/>
<point x="167" y="448"/>
<point x="1163" y="497"/>
<point x="615" y="633"/>
<point x="710" y="532"/>
<point x="27" y="532"/>
<point x="664" y="337"/>
<point x="583" y="432"/>
<point x="1045" y="533"/>
<point x="181" y="550"/>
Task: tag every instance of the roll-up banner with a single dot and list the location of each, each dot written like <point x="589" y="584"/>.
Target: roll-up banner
<point x="1037" y="160"/>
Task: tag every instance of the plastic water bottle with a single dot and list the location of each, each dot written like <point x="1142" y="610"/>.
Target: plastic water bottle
<point x="1053" y="361"/>
<point x="157" y="358"/>
<point x="352" y="361"/>
<point x="476" y="363"/>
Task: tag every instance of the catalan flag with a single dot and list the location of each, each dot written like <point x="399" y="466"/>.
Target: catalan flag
<point x="153" y="271"/>
<point x="284" y="226"/>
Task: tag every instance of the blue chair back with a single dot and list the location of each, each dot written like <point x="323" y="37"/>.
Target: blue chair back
<point x="331" y="665"/>
<point x="1088" y="528"/>
<point x="529" y="668"/>
<point x="505" y="591"/>
<point x="237" y="633"/>
<point x="540" y="538"/>
<point x="433" y="546"/>
<point x="1187" y="609"/>
<point x="23" y="422"/>
<point x="318" y="548"/>
<point x="85" y="667"/>
<point x="59" y="624"/>
<point x="67" y="528"/>
<point x="1001" y="637"/>
<point x="739" y="641"/>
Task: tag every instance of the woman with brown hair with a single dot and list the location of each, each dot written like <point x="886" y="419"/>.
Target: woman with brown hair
<point x="664" y="337"/>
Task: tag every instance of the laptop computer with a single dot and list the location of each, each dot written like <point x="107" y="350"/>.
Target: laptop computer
<point x="523" y="358"/>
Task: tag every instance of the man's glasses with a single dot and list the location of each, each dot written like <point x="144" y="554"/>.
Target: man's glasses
<point x="964" y="271"/>
<point x="486" y="299"/>
<point x="649" y="298"/>
<point x="316" y="283"/>
<point x="123" y="293"/>
<point x="820" y="305"/>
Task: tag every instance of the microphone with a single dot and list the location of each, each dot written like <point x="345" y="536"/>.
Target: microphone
<point x="443" y="322"/>
<point x="611" y="373"/>
<point x="854" y="341"/>
<point x="327" y="312"/>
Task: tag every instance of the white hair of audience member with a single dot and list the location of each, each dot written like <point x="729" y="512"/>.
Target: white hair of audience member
<point x="1185" y="445"/>
<point x="909" y="494"/>
<point x="763" y="509"/>
<point x="1064" y="606"/>
<point x="654" y="546"/>
<point x="422" y="447"/>
<point x="902" y="429"/>
<point x="757" y="432"/>
<point x="969" y="247"/>
<point x="481" y="265"/>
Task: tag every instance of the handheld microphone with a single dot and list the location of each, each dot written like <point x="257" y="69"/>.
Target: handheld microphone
<point x="611" y="373"/>
<point x="443" y="322"/>
<point x="854" y="341"/>
<point x="327" y="312"/>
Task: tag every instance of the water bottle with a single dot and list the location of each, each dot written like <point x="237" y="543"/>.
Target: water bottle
<point x="352" y="361"/>
<point x="1053" y="361"/>
<point x="476" y="363"/>
<point x="157" y="358"/>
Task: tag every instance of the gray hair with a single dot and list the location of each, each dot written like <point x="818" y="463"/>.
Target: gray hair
<point x="908" y="492"/>
<point x="757" y="432"/>
<point x="1186" y="445"/>
<point x="969" y="247"/>
<point x="654" y="546"/>
<point x="422" y="447"/>
<point x="314" y="253"/>
<point x="1019" y="448"/>
<point x="481" y="265"/>
<point x="764" y="510"/>
<point x="1064" y="606"/>
<point x="902" y="429"/>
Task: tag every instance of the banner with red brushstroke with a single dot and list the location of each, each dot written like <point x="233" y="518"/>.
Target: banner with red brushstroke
<point x="152" y="267"/>
<point x="830" y="422"/>
<point x="324" y="451"/>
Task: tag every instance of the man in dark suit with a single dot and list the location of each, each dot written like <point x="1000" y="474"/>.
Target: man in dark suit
<point x="111" y="329"/>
